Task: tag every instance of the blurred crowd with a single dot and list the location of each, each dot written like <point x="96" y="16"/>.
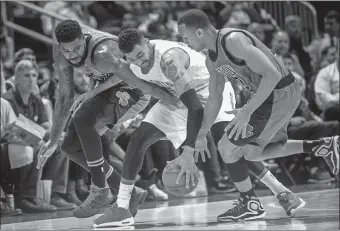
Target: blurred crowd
<point x="29" y="86"/>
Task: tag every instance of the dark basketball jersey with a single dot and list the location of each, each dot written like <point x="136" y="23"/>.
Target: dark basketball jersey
<point x="92" y="40"/>
<point x="225" y="64"/>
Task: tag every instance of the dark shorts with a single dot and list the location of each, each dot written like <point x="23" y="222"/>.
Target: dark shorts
<point x="269" y="122"/>
<point x="114" y="106"/>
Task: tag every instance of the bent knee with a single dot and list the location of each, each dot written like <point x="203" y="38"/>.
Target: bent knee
<point x="230" y="153"/>
<point x="253" y="153"/>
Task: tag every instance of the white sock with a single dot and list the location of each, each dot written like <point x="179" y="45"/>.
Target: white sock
<point x="124" y="195"/>
<point x="271" y="182"/>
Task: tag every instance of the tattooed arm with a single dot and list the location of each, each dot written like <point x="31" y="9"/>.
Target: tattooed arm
<point x="65" y="96"/>
<point x="107" y="59"/>
<point x="174" y="64"/>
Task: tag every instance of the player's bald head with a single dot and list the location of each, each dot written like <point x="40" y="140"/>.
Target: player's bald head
<point x="195" y="19"/>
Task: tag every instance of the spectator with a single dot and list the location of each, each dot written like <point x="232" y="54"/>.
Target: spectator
<point x="280" y="46"/>
<point x="328" y="56"/>
<point x="7" y="119"/>
<point x="331" y="22"/>
<point x="24" y="101"/>
<point x="294" y="31"/>
<point x="22" y="54"/>
<point x="326" y="89"/>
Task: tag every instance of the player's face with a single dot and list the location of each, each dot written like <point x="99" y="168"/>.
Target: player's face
<point x="73" y="51"/>
<point x="140" y="55"/>
<point x="281" y="44"/>
<point x="192" y="37"/>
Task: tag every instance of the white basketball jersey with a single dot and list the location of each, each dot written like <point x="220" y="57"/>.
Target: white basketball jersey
<point x="197" y="69"/>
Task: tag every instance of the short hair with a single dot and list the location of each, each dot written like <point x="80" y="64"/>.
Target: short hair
<point x="194" y="18"/>
<point x="23" y="64"/>
<point x="128" y="39"/>
<point x="19" y="55"/>
<point x="333" y="15"/>
<point x="67" y="31"/>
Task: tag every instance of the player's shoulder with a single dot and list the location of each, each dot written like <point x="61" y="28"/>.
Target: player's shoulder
<point x="105" y="50"/>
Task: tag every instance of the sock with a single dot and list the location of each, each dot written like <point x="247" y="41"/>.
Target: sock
<point x="97" y="172"/>
<point x="271" y="182"/>
<point x="308" y="145"/>
<point x="124" y="195"/>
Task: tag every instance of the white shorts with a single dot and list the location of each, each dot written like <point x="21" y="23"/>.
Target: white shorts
<point x="174" y="122"/>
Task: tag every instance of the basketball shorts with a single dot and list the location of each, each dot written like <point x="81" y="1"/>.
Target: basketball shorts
<point x="269" y="122"/>
<point x="173" y="123"/>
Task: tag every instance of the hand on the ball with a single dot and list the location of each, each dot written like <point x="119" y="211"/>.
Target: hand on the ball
<point x="188" y="167"/>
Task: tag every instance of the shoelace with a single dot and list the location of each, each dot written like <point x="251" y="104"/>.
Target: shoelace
<point x="92" y="196"/>
<point x="238" y="204"/>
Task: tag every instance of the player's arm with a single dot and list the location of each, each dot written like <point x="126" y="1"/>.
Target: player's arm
<point x="174" y="64"/>
<point x="215" y="99"/>
<point x="240" y="46"/>
<point x="107" y="61"/>
<point x="65" y="96"/>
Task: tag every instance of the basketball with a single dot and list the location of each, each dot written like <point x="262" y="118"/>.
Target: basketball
<point x="169" y="178"/>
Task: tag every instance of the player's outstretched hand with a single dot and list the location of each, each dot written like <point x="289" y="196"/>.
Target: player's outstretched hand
<point x="239" y="125"/>
<point x="188" y="167"/>
<point x="45" y="152"/>
<point x="201" y="148"/>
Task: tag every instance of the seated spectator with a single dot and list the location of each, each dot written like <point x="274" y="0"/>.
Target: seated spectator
<point x="326" y="89"/>
<point x="280" y="46"/>
<point x="328" y="56"/>
<point x="22" y="54"/>
<point x="8" y="118"/>
<point x="24" y="101"/>
<point x="293" y="28"/>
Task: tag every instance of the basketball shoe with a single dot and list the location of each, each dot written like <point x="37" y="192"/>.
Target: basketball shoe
<point x="329" y="150"/>
<point x="290" y="202"/>
<point x="115" y="216"/>
<point x="246" y="208"/>
<point x="97" y="199"/>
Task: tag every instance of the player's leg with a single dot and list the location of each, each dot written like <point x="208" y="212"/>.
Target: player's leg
<point x="248" y="206"/>
<point x="72" y="148"/>
<point x="285" y="103"/>
<point x="142" y="138"/>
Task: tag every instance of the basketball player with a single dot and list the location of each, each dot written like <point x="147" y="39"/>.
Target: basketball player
<point x="183" y="72"/>
<point x="259" y="129"/>
<point x="112" y="101"/>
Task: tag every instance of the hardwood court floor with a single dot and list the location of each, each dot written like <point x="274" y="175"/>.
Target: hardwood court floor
<point x="320" y="213"/>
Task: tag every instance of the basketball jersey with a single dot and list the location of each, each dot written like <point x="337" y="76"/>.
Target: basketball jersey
<point x="225" y="64"/>
<point x="92" y="40"/>
<point x="197" y="69"/>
